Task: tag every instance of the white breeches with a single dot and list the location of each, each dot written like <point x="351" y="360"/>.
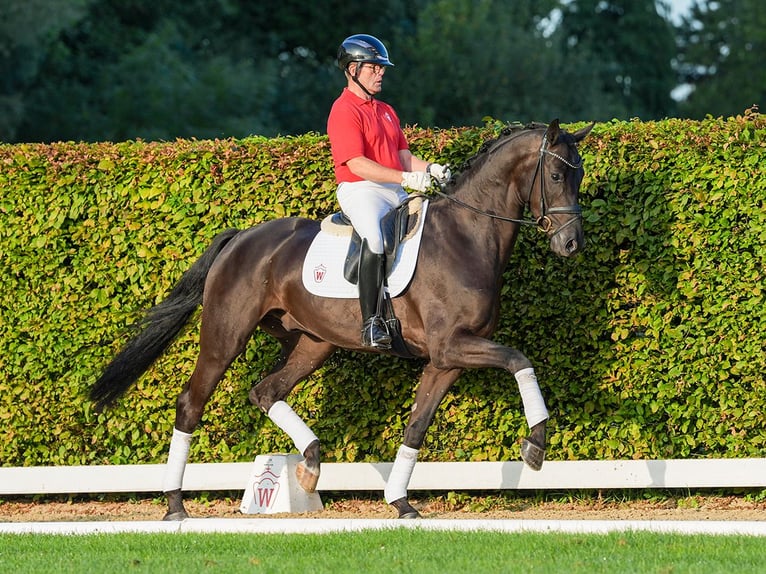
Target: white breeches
<point x="365" y="203"/>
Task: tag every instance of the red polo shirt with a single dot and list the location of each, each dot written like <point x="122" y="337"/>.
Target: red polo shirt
<point x="359" y="127"/>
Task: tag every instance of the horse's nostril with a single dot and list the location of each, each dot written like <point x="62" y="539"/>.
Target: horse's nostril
<point x="572" y="246"/>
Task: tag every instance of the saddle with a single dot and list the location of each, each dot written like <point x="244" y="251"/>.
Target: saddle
<point x="397" y="226"/>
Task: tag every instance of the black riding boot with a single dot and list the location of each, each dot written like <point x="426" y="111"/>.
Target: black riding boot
<point x="374" y="331"/>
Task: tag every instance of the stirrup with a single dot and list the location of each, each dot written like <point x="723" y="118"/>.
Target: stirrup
<point x="375" y="334"/>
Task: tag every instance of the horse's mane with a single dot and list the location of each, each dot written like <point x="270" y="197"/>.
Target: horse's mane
<point x="474" y="163"/>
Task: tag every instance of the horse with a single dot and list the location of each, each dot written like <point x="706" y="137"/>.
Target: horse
<point x="248" y="279"/>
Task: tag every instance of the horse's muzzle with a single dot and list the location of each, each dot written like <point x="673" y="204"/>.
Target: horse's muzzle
<point x="568" y="241"/>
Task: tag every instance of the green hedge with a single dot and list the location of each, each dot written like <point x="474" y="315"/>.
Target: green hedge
<point x="649" y="345"/>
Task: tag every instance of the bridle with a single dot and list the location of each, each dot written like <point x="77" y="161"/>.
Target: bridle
<point x="543" y="222"/>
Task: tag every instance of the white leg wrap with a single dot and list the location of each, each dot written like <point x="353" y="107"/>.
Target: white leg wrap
<point x="285" y="418"/>
<point x="396" y="486"/>
<point x="531" y="397"/>
<point x="177" y="457"/>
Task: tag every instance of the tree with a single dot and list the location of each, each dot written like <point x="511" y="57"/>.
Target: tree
<point x="631" y="47"/>
<point x="467" y="59"/>
<point x="154" y="90"/>
<point x="721" y="48"/>
<point x="161" y="69"/>
<point x="27" y="28"/>
<point x="148" y="69"/>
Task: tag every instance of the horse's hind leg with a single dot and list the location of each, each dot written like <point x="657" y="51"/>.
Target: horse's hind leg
<point x="301" y="356"/>
<point x="189" y="408"/>
<point x="220" y="344"/>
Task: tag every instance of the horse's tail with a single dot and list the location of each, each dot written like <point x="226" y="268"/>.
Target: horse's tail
<point x="157" y="328"/>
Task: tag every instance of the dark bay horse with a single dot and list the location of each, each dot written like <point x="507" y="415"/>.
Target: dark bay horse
<point x="252" y="278"/>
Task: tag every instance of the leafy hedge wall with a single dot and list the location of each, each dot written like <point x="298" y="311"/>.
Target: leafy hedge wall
<point x="649" y="345"/>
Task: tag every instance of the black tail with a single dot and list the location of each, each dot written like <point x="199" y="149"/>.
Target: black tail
<point x="157" y="329"/>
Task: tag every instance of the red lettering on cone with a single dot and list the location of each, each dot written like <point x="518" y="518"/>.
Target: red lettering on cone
<point x="264" y="497"/>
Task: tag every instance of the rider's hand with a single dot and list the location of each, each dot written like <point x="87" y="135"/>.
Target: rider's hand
<point x="416" y="180"/>
<point x="440" y="173"/>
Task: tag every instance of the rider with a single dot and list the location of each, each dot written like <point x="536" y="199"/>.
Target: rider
<point x="372" y="164"/>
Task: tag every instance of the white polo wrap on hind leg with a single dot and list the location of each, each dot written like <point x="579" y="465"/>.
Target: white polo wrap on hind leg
<point x="531" y="397"/>
<point x="177" y="457"/>
<point x="396" y="486"/>
<point x="285" y="418"/>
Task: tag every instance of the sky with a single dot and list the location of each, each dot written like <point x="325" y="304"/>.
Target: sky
<point x="678" y="8"/>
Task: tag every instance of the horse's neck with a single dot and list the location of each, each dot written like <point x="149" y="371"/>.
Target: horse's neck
<point x="493" y="190"/>
<point x="481" y="235"/>
<point x="493" y="195"/>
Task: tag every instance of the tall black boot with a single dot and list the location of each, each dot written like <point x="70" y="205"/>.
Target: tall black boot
<point x="371" y="272"/>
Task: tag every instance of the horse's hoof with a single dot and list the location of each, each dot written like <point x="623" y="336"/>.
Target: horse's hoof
<point x="405" y="509"/>
<point x="176" y="511"/>
<point x="532" y="454"/>
<point x="307" y="478"/>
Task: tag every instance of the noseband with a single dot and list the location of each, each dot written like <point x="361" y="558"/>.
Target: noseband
<point x="543" y="223"/>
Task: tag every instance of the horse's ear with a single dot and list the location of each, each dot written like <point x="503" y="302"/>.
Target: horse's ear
<point x="582" y="132"/>
<point x="552" y="133"/>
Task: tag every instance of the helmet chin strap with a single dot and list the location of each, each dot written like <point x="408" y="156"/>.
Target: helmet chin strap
<point x="355" y="77"/>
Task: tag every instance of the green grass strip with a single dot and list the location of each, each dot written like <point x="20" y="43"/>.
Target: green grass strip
<point x="382" y="551"/>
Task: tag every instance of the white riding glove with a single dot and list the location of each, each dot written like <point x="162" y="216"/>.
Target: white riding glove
<point x="416" y="180"/>
<point x="440" y="173"/>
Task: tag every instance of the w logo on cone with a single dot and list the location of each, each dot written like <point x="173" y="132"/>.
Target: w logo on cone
<point x="273" y="487"/>
<point x="265" y="489"/>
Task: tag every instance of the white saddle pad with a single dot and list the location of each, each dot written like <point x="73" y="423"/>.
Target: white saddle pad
<point x="323" y="266"/>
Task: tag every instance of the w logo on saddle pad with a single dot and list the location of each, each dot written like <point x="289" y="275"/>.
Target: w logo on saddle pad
<point x="319" y="273"/>
<point x="330" y="264"/>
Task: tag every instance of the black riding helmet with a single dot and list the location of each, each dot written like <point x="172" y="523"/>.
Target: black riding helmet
<point x="362" y="48"/>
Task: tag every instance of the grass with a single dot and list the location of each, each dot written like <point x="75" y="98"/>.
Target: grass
<point x="418" y="551"/>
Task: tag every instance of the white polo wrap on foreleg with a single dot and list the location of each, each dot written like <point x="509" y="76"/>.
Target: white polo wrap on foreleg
<point x="396" y="486"/>
<point x="285" y="418"/>
<point x="531" y="397"/>
<point x="177" y="457"/>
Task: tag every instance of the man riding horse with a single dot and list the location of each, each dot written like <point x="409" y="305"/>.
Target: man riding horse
<point x="372" y="164"/>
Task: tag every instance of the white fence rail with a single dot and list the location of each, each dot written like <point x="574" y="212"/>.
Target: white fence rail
<point x="434" y="476"/>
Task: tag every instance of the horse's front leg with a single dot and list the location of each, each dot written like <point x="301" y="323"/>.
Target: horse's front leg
<point x="470" y="351"/>
<point x="434" y="384"/>
<point x="532" y="447"/>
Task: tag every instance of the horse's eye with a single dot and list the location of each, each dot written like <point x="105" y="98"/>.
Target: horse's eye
<point x="556" y="176"/>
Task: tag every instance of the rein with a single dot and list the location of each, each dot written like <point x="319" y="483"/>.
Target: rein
<point x="543" y="223"/>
